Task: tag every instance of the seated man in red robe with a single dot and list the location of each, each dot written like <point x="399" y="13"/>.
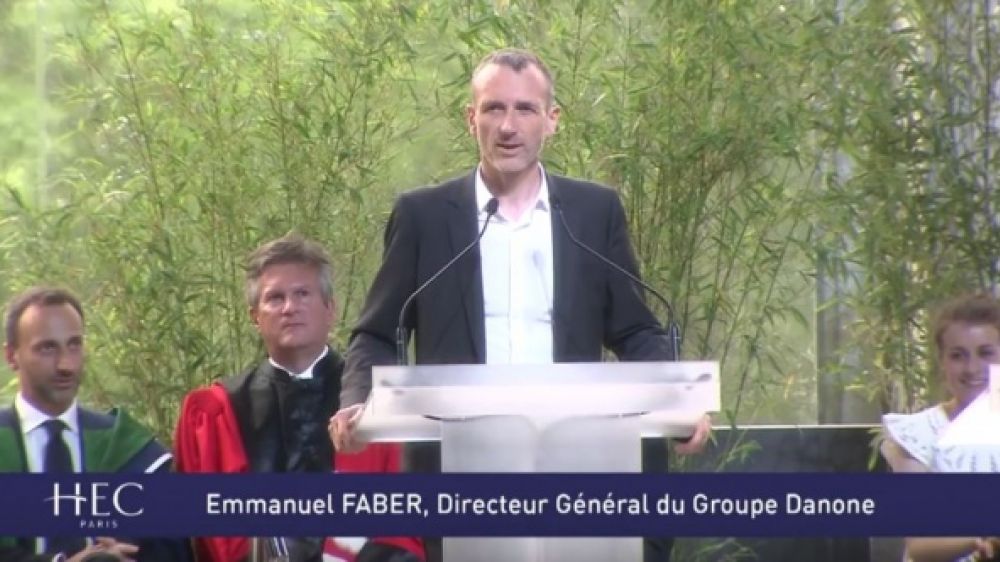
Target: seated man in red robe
<point x="273" y="417"/>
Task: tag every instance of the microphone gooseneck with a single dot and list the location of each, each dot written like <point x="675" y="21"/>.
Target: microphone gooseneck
<point x="401" y="359"/>
<point x="673" y="330"/>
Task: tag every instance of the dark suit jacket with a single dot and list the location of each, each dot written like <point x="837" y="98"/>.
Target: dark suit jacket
<point x="594" y="306"/>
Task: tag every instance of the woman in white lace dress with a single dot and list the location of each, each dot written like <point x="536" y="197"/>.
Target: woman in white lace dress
<point x="967" y="340"/>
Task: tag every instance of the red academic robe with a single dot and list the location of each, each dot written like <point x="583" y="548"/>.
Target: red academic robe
<point x="208" y="440"/>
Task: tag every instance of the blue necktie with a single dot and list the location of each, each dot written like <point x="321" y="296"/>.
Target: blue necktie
<point x="59" y="461"/>
<point x="57" y="458"/>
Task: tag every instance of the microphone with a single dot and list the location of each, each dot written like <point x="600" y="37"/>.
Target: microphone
<point x="491" y="209"/>
<point x="673" y="330"/>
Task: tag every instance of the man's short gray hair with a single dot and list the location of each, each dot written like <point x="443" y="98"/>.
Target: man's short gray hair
<point x="290" y="248"/>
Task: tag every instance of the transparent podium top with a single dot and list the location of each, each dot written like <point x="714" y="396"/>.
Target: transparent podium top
<point x="562" y="388"/>
<point x="679" y="392"/>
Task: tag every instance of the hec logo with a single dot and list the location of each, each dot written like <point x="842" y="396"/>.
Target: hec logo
<point x="97" y="499"/>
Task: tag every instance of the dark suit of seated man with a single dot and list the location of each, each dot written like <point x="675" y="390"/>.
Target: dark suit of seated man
<point x="47" y="430"/>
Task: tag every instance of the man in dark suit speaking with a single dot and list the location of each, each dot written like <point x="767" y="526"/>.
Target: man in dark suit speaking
<point x="527" y="293"/>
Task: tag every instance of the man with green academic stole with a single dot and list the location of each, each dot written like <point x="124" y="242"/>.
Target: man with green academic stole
<point x="47" y="431"/>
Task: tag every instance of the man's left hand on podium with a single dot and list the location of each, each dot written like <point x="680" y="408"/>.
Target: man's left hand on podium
<point x="696" y="443"/>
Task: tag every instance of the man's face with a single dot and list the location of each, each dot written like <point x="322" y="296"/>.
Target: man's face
<point x="511" y="117"/>
<point x="291" y="314"/>
<point x="966" y="352"/>
<point x="48" y="357"/>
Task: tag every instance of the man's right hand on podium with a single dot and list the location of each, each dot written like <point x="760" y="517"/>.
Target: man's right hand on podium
<point x="342" y="429"/>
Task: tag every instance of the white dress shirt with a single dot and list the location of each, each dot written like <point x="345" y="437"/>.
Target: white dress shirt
<point x="36" y="437"/>
<point x="308" y="372"/>
<point x="517" y="280"/>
